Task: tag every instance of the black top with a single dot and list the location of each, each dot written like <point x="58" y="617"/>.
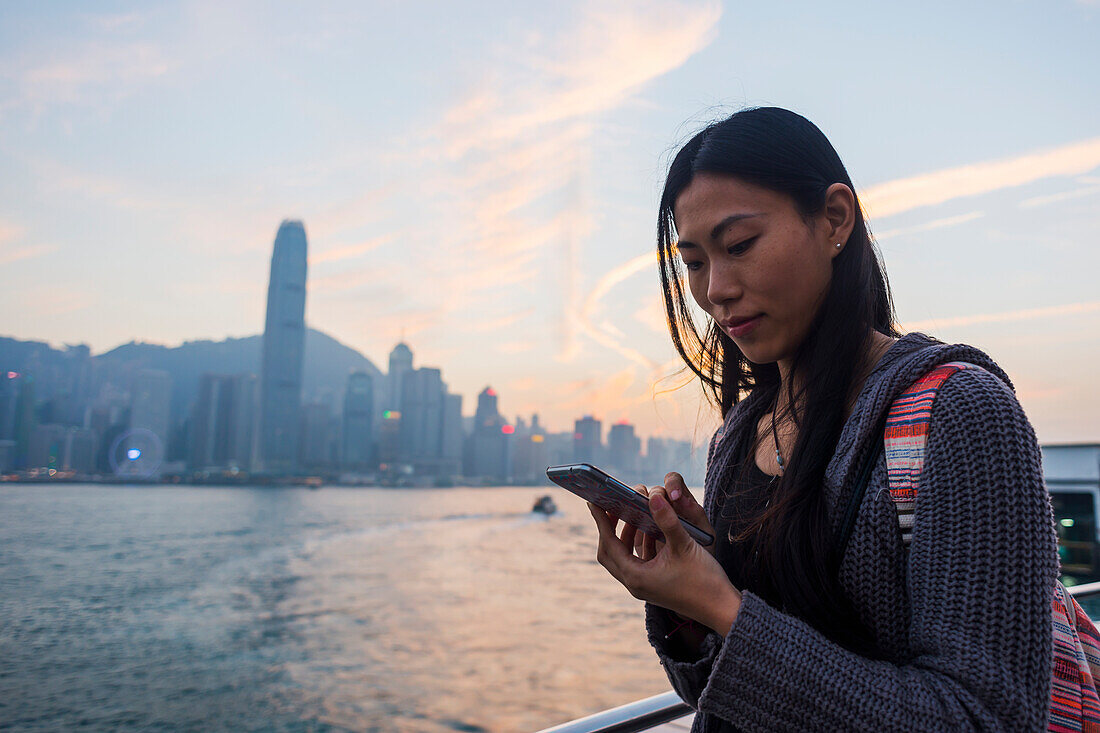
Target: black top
<point x="748" y="498"/>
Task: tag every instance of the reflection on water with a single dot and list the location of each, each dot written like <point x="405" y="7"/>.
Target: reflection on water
<point x="368" y="609"/>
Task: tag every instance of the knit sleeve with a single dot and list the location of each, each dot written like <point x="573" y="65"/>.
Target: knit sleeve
<point x="982" y="568"/>
<point x="687" y="669"/>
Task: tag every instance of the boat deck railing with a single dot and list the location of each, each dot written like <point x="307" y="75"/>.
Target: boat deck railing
<point x="667" y="712"/>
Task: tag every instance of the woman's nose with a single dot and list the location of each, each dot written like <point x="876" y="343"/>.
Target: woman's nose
<point x="723" y="285"/>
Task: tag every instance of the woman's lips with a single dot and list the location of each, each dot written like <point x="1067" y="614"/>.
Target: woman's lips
<point x="741" y="327"/>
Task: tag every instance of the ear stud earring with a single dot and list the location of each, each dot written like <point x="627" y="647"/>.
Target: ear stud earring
<point x="838" y="245"/>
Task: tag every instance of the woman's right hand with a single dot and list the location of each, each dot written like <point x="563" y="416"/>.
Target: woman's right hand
<point x="679" y="497"/>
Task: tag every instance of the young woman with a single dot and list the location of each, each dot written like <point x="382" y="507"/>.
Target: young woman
<point x="770" y="629"/>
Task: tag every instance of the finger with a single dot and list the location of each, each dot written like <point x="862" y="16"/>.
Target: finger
<point x="683" y="502"/>
<point x="668" y="521"/>
<point x="649" y="547"/>
<point x="605" y="523"/>
<point x="641" y="489"/>
<point x="629" y="537"/>
<point x="610" y="552"/>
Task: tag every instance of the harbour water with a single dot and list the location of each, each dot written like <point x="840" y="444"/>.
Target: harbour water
<point x="205" y="608"/>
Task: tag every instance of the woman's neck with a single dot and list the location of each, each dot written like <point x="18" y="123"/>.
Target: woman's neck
<point x="877" y="345"/>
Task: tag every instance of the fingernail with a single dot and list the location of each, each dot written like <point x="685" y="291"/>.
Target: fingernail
<point x="675" y="494"/>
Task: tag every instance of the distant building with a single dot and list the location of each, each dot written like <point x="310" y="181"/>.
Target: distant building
<point x="150" y="404"/>
<point x="80" y="450"/>
<point x="318" y="436"/>
<point x="422" y="418"/>
<point x="222" y="422"/>
<point x="531" y="455"/>
<point x="401" y="363"/>
<point x="46" y="447"/>
<point x="623" y="450"/>
<point x="25" y="419"/>
<point x="60" y="447"/>
<point x="389" y="440"/>
<point x="587" y="440"/>
<point x="559" y="448"/>
<point x="664" y="455"/>
<point x="453" y="434"/>
<point x="7" y="456"/>
<point x="283" y="351"/>
<point x="357" y="437"/>
<point x="490" y="444"/>
<point x="9" y="392"/>
<point x="243" y="421"/>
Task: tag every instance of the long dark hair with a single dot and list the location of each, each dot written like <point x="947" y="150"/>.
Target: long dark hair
<point x="784" y="152"/>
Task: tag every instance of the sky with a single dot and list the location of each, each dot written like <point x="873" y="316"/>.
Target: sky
<point x="481" y="179"/>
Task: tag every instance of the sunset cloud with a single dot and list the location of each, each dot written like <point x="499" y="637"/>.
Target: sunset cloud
<point x="937" y="187"/>
<point x="1059" y="197"/>
<point x="11" y="255"/>
<point x="93" y="72"/>
<point x="519" y="147"/>
<point x="948" y="221"/>
<point x="1004" y="317"/>
<point x="351" y="251"/>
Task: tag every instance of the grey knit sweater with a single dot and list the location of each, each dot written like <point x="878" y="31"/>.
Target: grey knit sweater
<point x="961" y="621"/>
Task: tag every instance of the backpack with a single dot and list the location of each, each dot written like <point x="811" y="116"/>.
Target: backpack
<point x="1074" y="703"/>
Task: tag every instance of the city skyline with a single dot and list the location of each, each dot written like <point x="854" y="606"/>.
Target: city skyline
<point x="65" y="416"/>
<point x="484" y="179"/>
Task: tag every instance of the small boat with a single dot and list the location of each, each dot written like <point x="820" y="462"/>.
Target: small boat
<point x="544" y="505"/>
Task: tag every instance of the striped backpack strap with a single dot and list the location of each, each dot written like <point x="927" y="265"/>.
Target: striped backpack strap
<point x="1074" y="702"/>
<point x="906" y="437"/>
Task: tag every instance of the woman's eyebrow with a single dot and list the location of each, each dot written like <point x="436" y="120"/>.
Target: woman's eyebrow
<point x="728" y="222"/>
<point x="718" y="228"/>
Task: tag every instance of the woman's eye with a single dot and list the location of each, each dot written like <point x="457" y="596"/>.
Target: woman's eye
<point x="741" y="247"/>
<point x="692" y="266"/>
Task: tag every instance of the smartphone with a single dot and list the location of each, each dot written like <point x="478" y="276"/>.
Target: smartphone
<point x="611" y="494"/>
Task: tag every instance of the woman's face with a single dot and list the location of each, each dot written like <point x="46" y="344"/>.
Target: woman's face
<point x="754" y="264"/>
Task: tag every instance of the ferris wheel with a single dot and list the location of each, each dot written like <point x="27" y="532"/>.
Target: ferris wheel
<point x="136" y="453"/>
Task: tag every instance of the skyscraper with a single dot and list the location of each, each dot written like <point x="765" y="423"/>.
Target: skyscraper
<point x="283" y="350"/>
<point x="453" y="434"/>
<point x="623" y="448"/>
<point x="587" y="440"/>
<point x="401" y="363"/>
<point x="358" y="434"/>
<point x="490" y="442"/>
<point x="150" y="402"/>
<point x="222" y="422"/>
<point x="422" y="415"/>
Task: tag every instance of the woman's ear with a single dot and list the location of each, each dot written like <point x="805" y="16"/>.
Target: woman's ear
<point x="839" y="215"/>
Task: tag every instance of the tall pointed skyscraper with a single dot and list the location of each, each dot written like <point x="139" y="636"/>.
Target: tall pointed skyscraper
<point x="283" y="351"/>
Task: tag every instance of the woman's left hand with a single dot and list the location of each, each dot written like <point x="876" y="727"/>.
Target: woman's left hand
<point x="681" y="575"/>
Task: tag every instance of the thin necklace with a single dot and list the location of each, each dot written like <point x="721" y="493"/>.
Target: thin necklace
<point x="775" y="435"/>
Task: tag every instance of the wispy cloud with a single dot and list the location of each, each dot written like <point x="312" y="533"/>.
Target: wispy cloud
<point x="609" y="55"/>
<point x="9" y="232"/>
<point x="948" y="221"/>
<point x="10" y="255"/>
<point x="92" y="72"/>
<point x="351" y="251"/>
<point x="937" y="187"/>
<point x="516" y="347"/>
<point x="518" y="146"/>
<point x="1005" y="316"/>
<point x="1057" y="197"/>
<point x="498" y="324"/>
<point x="12" y="250"/>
